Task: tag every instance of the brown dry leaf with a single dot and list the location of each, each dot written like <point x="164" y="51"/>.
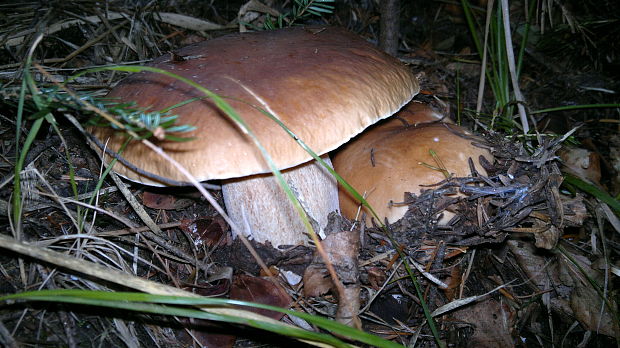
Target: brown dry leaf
<point x="548" y="238"/>
<point x="453" y="281"/>
<point x="316" y="281"/>
<point x="163" y="201"/>
<point x="574" y="297"/>
<point x="376" y="277"/>
<point x="582" y="163"/>
<point x="537" y="268"/>
<point x="206" y="230"/>
<point x="586" y="307"/>
<point x="575" y="210"/>
<point x="585" y="302"/>
<point x="342" y="249"/>
<point x="204" y="332"/>
<point x="218" y="289"/>
<point x="260" y="290"/>
<point x="492" y="322"/>
<point x="349" y="307"/>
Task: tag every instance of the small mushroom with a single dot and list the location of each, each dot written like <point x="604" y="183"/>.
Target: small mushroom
<point x="325" y="84"/>
<point x="390" y="159"/>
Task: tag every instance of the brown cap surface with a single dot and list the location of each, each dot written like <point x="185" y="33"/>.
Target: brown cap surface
<point x="396" y="164"/>
<point x="414" y="113"/>
<point x="325" y="85"/>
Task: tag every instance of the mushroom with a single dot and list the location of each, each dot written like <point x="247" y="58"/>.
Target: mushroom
<point x="325" y="84"/>
<point x="413" y="113"/>
<point x="390" y="159"/>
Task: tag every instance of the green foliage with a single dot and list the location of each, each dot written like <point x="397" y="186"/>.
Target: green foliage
<point x="28" y="86"/>
<point x="302" y="10"/>
<point x="143" y="122"/>
<point x="497" y="70"/>
<point x="178" y="306"/>
<point x="571" y="180"/>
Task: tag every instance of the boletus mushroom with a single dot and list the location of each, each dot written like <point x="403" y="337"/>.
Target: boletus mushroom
<point x="325" y="84"/>
<point x="391" y="158"/>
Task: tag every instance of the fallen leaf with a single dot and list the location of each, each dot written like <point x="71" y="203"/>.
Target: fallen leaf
<point x="492" y="322"/>
<point x="205" y="231"/>
<point x="582" y="163"/>
<point x="207" y="333"/>
<point x="376" y="277"/>
<point x="342" y="249"/>
<point x="316" y="281"/>
<point x="162" y="201"/>
<point x="260" y="290"/>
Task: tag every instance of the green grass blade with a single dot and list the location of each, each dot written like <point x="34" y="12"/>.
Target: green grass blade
<point x="152" y="304"/>
<point x="575" y="107"/>
<point x="594" y="191"/>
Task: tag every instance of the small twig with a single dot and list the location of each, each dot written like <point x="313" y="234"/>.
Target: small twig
<point x="90" y="43"/>
<point x="136" y="230"/>
<point x="464" y="301"/>
<point x="465" y="276"/>
<point x="6" y="338"/>
<point x="385" y="283"/>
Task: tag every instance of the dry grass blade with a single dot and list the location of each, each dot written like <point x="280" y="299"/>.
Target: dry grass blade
<point x="122" y="279"/>
<point x="512" y="67"/>
<point x="462" y="302"/>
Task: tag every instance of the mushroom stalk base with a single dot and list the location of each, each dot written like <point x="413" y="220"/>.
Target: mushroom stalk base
<point x="263" y="213"/>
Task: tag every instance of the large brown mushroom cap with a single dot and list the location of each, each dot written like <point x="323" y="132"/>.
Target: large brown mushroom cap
<point x="389" y="160"/>
<point x="325" y="85"/>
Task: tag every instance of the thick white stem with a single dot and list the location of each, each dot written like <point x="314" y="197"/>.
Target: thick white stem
<point x="263" y="213"/>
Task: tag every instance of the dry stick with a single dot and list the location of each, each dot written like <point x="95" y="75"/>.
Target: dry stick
<point x="6" y="337"/>
<point x="126" y="280"/>
<point x="99" y="243"/>
<point x="137" y="207"/>
<point x="388" y="34"/>
<point x="510" y="56"/>
<point x="62" y="200"/>
<point x="18" y="38"/>
<point x="465" y="275"/>
<point x="136" y="230"/>
<point x="177" y="165"/>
